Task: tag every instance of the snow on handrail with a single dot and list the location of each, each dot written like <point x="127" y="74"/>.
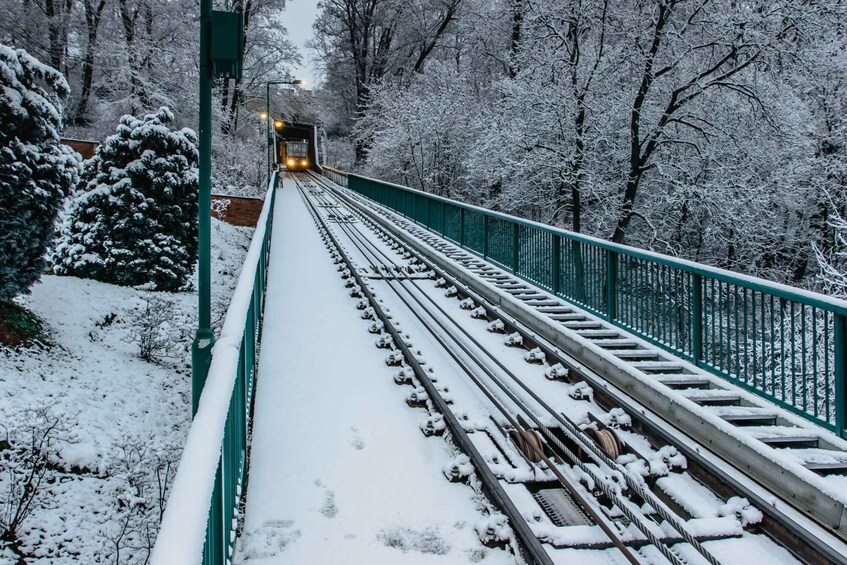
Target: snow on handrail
<point x="183" y="528"/>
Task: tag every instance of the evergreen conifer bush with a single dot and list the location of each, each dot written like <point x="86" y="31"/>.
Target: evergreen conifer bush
<point x="134" y="222"/>
<point x="36" y="172"/>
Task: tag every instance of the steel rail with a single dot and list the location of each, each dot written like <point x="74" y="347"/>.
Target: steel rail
<point x="579" y="437"/>
<point x="575" y="433"/>
<point x="490" y="482"/>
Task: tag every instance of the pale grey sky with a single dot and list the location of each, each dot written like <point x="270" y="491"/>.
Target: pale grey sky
<point x="299" y="16"/>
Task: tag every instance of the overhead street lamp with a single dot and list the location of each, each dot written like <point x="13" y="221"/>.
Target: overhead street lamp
<point x="267" y="113"/>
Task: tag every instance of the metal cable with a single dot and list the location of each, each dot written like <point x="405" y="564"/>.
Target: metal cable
<point x="576" y="434"/>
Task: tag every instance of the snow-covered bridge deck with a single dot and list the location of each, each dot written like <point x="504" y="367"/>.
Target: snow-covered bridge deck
<point x="340" y="472"/>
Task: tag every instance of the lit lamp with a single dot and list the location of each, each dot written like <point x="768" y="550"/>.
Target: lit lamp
<point x="297" y="82"/>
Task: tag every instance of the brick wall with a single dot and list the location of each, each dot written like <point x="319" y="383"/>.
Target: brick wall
<point x="240" y="211"/>
<point x="84" y="148"/>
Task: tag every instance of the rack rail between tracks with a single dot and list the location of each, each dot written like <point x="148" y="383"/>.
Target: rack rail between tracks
<point x="782" y="343"/>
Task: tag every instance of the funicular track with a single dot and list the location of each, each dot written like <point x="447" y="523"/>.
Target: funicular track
<point x="541" y="433"/>
<point x="800" y="512"/>
<point x="420" y="304"/>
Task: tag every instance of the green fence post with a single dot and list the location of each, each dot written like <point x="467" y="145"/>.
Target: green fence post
<point x="578" y="271"/>
<point x="697" y="318"/>
<point x="461" y="227"/>
<point x="213" y="551"/>
<point x="611" y="284"/>
<point x="485" y="236"/>
<point x="515" y="248"/>
<point x="839" y="322"/>
<point x="556" y="264"/>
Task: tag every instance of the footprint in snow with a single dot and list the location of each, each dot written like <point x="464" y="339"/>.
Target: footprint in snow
<point x="329" y="508"/>
<point x="278" y="523"/>
<point x="267" y="541"/>
<point x="357" y="442"/>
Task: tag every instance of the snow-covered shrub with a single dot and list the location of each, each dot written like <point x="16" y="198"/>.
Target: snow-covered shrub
<point x="157" y="330"/>
<point x="141" y="479"/>
<point x="135" y="220"/>
<point x="220" y="206"/>
<point x="36" y="171"/>
<point x="27" y="441"/>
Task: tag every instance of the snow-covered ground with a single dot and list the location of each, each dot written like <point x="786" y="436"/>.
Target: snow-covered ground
<point x="340" y="470"/>
<point x="121" y="420"/>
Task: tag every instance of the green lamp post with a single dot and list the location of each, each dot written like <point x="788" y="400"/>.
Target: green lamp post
<point x="221" y="55"/>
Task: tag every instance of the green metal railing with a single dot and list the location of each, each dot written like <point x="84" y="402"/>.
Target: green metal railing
<point x="212" y="475"/>
<point x="782" y="343"/>
<point x="231" y="477"/>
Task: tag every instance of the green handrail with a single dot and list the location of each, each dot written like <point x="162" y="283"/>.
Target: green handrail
<point x="231" y="478"/>
<point x="212" y="476"/>
<point x="784" y="344"/>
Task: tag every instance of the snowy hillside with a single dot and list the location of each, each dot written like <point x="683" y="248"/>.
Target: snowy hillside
<point x="113" y="423"/>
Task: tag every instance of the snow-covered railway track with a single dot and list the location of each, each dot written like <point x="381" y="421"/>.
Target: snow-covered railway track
<point x="541" y="319"/>
<point x="562" y="437"/>
<point x="490" y="483"/>
<point x="525" y="436"/>
<point x="734" y="441"/>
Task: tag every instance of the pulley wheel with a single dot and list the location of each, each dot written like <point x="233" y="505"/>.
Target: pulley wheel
<point x="529" y="443"/>
<point x="608" y="442"/>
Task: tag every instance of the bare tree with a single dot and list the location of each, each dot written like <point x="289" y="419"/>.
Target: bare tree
<point x="374" y="39"/>
<point x="696" y="48"/>
<point x="93" y="16"/>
